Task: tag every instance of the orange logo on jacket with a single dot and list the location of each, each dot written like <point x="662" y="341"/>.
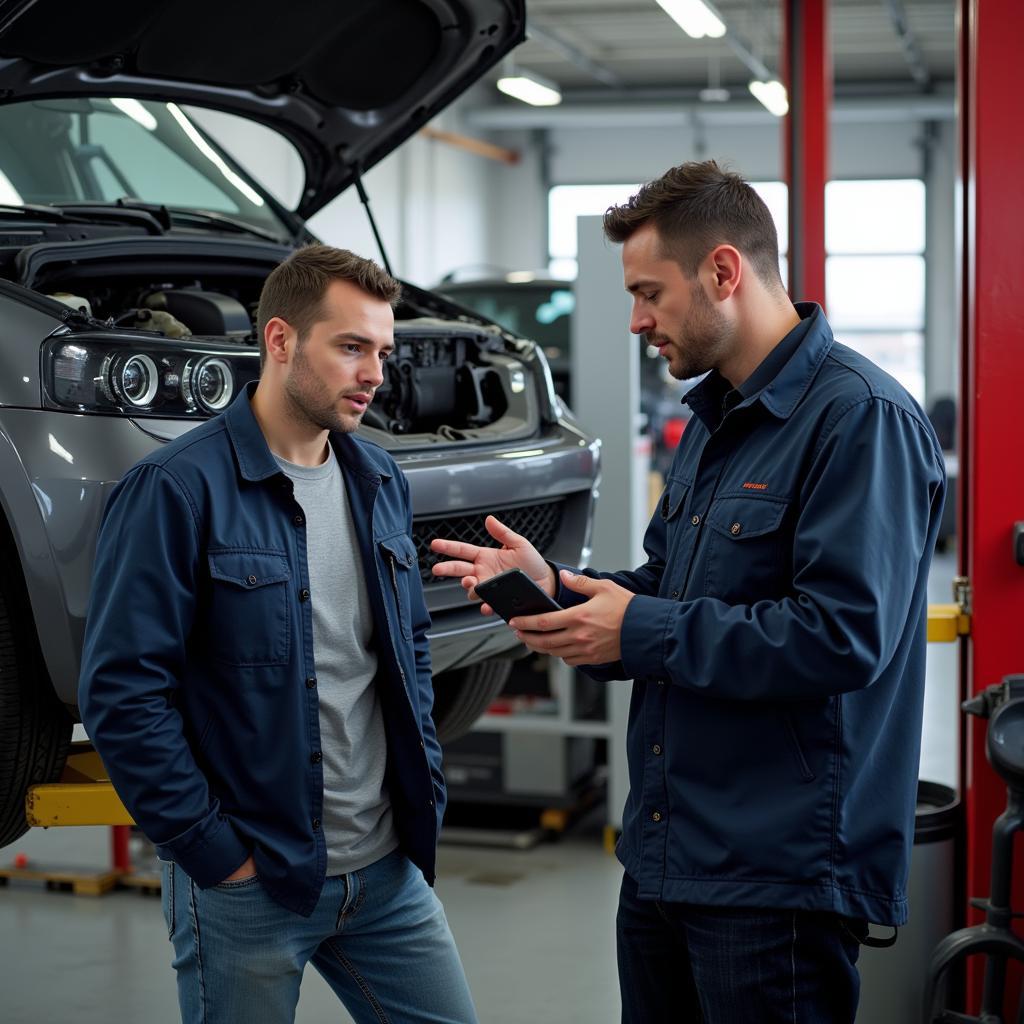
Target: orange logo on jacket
<point x="755" y="487"/>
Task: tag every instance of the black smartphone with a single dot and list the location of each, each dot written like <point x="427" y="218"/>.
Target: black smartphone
<point x="513" y="593"/>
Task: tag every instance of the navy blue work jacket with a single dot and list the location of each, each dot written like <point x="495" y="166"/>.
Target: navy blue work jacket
<point x="777" y="641"/>
<point x="198" y="685"/>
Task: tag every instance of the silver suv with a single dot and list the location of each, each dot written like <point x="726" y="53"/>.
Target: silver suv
<point x="132" y="253"/>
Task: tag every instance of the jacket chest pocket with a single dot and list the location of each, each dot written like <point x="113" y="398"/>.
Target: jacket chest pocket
<point x="249" y="622"/>
<point x="399" y="555"/>
<point x="746" y="550"/>
<point x="670" y="509"/>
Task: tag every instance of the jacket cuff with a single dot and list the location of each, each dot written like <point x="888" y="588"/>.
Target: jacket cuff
<point x="208" y="852"/>
<point x="644" y="627"/>
<point x="563" y="595"/>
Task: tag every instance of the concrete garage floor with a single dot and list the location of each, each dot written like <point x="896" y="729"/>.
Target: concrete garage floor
<point x="534" y="928"/>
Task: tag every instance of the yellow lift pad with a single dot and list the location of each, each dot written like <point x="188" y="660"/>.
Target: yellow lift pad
<point x="947" y="623"/>
<point x="83" y="796"/>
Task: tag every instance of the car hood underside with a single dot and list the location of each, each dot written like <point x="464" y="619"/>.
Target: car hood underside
<point x="345" y="82"/>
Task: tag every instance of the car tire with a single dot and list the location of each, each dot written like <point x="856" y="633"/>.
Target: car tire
<point x="462" y="696"/>
<point x="35" y="727"/>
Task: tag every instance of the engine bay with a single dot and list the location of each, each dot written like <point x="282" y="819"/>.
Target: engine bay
<point x="152" y="339"/>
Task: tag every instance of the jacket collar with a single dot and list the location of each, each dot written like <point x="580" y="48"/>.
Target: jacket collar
<point x="781" y="395"/>
<point x="256" y="461"/>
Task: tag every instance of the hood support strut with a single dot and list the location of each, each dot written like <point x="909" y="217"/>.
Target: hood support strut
<point x="365" y="200"/>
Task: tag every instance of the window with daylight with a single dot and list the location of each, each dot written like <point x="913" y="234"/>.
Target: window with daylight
<point x="874" y="273"/>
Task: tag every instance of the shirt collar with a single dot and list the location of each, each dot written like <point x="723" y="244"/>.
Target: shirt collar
<point x="781" y="379"/>
<point x="257" y="462"/>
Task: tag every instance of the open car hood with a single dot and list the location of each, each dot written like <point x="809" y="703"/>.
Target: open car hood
<point x="347" y="82"/>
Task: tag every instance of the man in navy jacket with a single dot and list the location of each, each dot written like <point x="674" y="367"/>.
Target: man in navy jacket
<point x="775" y="635"/>
<point x="256" y="677"/>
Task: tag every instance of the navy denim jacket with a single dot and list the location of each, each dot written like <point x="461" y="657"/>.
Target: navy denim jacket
<point x="777" y="642"/>
<point x="198" y="686"/>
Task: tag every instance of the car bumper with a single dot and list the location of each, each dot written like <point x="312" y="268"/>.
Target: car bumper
<point x="59" y="468"/>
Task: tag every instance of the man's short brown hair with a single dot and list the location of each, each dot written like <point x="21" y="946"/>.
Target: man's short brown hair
<point x="695" y="207"/>
<point x="295" y="289"/>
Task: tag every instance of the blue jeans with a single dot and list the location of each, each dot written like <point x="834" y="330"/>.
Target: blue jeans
<point x="683" y="963"/>
<point x="378" y="936"/>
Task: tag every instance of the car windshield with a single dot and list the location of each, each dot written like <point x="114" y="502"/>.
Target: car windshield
<point x="90" y="150"/>
<point x="537" y="311"/>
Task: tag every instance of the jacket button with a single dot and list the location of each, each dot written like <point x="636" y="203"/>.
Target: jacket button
<point x="656" y="815"/>
<point x="431" y="803"/>
<point x="656" y="748"/>
<point x="695" y="520"/>
<point x="316" y="757"/>
<point x="310" y="682"/>
<point x="251" y="581"/>
<point x="298" y="519"/>
<point x="303" y="595"/>
<point x="675" y="593"/>
<point x="735" y="529"/>
<point x="316" y="824"/>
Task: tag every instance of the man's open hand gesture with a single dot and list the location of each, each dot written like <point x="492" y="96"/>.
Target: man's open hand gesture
<point x="476" y="564"/>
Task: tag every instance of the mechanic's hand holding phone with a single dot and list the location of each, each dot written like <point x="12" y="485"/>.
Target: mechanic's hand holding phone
<point x="512" y="593"/>
<point x="589" y="633"/>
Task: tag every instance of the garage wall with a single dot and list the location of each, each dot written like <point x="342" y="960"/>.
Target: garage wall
<point x="622" y="154"/>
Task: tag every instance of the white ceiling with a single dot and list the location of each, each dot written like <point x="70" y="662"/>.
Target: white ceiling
<point x="612" y="49"/>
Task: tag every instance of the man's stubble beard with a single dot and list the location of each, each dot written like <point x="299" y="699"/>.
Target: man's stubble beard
<point x="311" y="403"/>
<point x="703" y="341"/>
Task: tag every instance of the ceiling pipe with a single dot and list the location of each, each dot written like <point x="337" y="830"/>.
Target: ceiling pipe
<point x="559" y="44"/>
<point x="911" y="51"/>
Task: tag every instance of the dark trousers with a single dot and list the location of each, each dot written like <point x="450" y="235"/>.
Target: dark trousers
<point x="681" y="963"/>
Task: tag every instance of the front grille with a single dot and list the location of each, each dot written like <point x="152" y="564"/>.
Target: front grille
<point x="538" y="523"/>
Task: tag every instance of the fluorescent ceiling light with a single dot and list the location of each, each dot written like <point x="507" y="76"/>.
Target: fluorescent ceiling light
<point x="530" y="88"/>
<point x="713" y="94"/>
<point x="137" y="112"/>
<point x="695" y="17"/>
<point x="772" y="95"/>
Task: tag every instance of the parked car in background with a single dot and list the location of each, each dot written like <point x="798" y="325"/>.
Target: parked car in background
<point x="541" y="308"/>
<point x="133" y="249"/>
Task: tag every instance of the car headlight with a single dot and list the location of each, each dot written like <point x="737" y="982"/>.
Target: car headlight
<point x="130" y="379"/>
<point x="155" y="378"/>
<point x="208" y="383"/>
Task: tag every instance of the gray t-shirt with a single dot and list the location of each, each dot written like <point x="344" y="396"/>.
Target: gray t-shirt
<point x="357" y="820"/>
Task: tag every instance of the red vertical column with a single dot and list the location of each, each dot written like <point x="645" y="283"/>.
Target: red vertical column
<point x="807" y="61"/>
<point x="120" y="858"/>
<point x="992" y="480"/>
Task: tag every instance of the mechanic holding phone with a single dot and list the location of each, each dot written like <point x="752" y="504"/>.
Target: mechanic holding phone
<point x="775" y="635"/>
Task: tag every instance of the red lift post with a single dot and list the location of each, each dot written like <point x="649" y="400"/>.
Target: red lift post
<point x="806" y="59"/>
<point x="991" y="478"/>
